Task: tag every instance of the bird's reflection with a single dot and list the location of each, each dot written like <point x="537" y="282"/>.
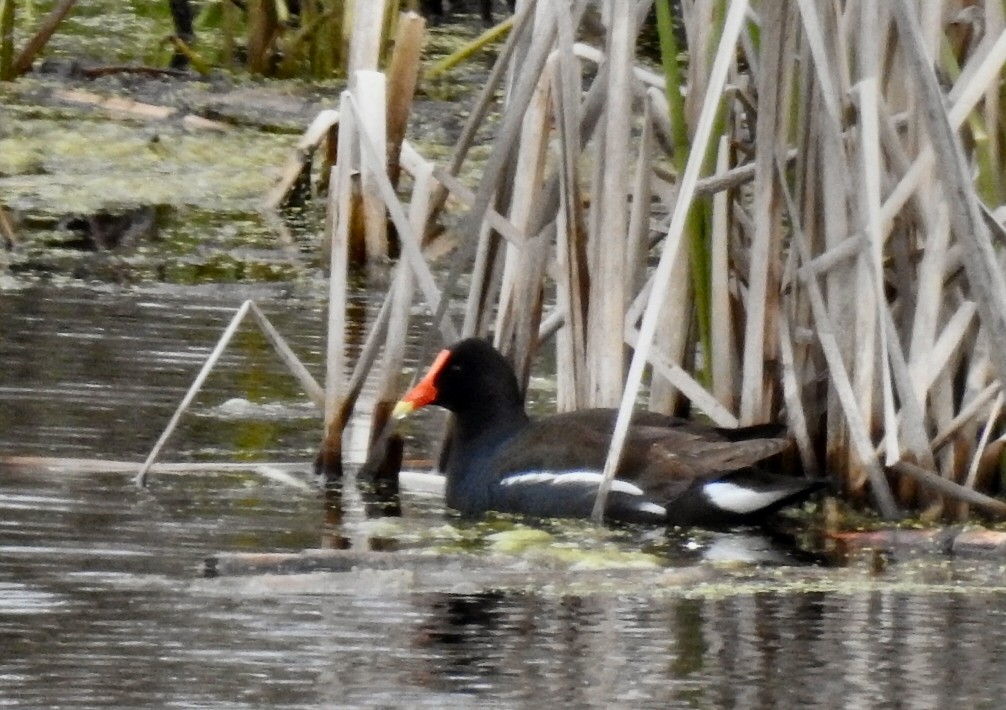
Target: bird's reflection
<point x="464" y="639"/>
<point x="377" y="482"/>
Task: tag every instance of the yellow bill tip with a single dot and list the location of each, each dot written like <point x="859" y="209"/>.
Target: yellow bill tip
<point x="402" y="409"/>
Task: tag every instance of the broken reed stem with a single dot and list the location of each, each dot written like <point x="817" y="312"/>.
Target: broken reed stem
<point x="967" y="414"/>
<point x="683" y="381"/>
<point x="506" y="139"/>
<point x="370" y="94"/>
<point x="983" y="441"/>
<point x="367" y="357"/>
<point x="485" y="99"/>
<point x="521" y="296"/>
<point x="403" y="76"/>
<point x="211" y="361"/>
<point x="675" y="340"/>
<point x="466" y="197"/>
<point x="760" y="331"/>
<point x="318" y="131"/>
<point x="279" y="344"/>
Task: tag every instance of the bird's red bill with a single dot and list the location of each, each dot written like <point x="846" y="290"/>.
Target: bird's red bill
<point x="425" y="391"/>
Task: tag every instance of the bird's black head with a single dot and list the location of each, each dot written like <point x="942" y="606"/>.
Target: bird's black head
<point x="470" y="378"/>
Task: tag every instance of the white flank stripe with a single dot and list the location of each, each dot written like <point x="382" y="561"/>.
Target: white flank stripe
<point x="572" y="478"/>
<point x="740" y="500"/>
<point x="527" y="478"/>
<point x="647" y="507"/>
<point x="622" y="487"/>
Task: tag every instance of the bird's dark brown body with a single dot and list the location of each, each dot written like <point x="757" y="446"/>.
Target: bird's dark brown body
<point x="672" y="471"/>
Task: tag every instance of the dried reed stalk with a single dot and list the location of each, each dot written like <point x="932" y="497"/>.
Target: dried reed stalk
<point x="606" y="317"/>
<point x="403" y="75"/>
<point x="761" y="334"/>
<point x="339" y="217"/>
<point x="521" y="295"/>
<point x="411" y="247"/>
<point x="366" y="33"/>
<point x="728" y="40"/>
<point x="370" y="92"/>
<point x="399" y="302"/>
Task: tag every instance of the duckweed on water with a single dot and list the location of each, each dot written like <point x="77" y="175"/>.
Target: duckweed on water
<point x="518" y="540"/>
<point x="59" y="167"/>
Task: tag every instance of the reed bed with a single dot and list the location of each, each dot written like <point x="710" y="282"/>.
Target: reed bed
<point x="798" y="216"/>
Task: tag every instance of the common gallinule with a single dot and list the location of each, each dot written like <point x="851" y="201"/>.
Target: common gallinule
<point x="672" y="471"/>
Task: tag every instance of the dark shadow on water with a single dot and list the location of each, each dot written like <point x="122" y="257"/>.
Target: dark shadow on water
<point x="463" y="638"/>
<point x="332" y="537"/>
<point x="768" y="545"/>
<point x="378" y="476"/>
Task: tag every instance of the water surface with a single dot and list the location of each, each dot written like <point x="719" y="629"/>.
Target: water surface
<point x="102" y="603"/>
